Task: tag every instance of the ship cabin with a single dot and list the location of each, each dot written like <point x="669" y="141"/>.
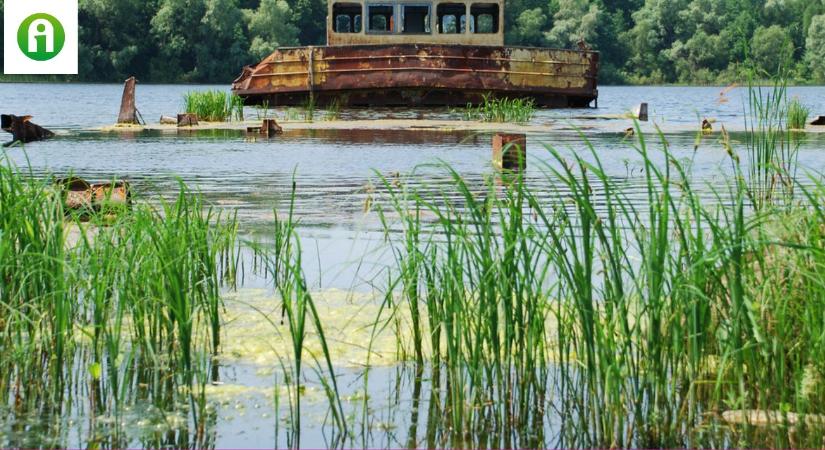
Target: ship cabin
<point x="452" y="22"/>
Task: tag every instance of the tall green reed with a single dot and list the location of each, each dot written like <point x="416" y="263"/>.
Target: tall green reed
<point x="491" y="109"/>
<point x="474" y="279"/>
<point x="770" y="150"/>
<point x="121" y="308"/>
<point x="283" y="261"/>
<point x="646" y="312"/>
<point x="214" y="105"/>
<point x="797" y="114"/>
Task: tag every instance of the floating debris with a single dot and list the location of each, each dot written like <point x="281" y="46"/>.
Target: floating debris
<point x="22" y="129"/>
<point x="707" y="126"/>
<point x="187" y="120"/>
<point x="78" y="194"/>
<point x="270" y="128"/>
<point x="765" y="418"/>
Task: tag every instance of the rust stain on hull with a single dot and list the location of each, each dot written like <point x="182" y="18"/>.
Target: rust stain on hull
<point x="420" y="74"/>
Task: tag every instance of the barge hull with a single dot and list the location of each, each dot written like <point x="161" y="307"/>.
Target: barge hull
<point x="420" y="74"/>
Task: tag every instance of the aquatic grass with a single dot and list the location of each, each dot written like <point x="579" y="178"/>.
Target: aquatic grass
<point x="506" y="110"/>
<point x="35" y="293"/>
<point x="770" y="150"/>
<point x="292" y="115"/>
<point x="643" y="316"/>
<point x="333" y="110"/>
<point x="122" y="308"/>
<point x="661" y="311"/>
<point x="308" y="108"/>
<point x="283" y="262"/>
<point x="213" y="105"/>
<point x="797" y="114"/>
<point x="306" y="112"/>
<point x="262" y="110"/>
<point x="475" y="283"/>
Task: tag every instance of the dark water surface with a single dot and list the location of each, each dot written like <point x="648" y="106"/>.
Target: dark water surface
<point x="337" y="177"/>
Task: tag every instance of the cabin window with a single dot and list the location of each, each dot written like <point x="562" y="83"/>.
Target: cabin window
<point x="381" y="18"/>
<point x="347" y="17"/>
<point x="452" y="18"/>
<point x="415" y="19"/>
<point x="484" y="18"/>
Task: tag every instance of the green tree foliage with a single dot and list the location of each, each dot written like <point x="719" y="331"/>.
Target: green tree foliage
<point x="652" y="34"/>
<point x="176" y="31"/>
<point x="310" y="17"/>
<point x="815" y="48"/>
<point x="528" y="27"/>
<point x="772" y="49"/>
<point x="641" y="41"/>
<point x="114" y="36"/>
<point x="575" y="20"/>
<point x="270" y="27"/>
<point x="223" y="25"/>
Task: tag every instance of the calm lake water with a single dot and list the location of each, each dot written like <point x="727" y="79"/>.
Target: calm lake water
<point x="336" y="174"/>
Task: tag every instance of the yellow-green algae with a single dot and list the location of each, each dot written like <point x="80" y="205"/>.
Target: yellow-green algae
<point x="253" y="332"/>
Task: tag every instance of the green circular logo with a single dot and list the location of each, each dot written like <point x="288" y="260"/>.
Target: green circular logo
<point x="41" y="37"/>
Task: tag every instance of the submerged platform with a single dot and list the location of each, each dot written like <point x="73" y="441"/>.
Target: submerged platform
<point x="576" y="126"/>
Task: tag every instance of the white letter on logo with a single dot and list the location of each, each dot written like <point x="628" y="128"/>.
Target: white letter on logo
<point x="41" y="27"/>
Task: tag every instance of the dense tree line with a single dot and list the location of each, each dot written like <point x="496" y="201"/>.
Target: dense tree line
<point x="642" y="41"/>
<point x="666" y="41"/>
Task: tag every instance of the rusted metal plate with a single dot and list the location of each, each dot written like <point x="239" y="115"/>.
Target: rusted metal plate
<point x="128" y="110"/>
<point x="420" y="74"/>
<point x="79" y="194"/>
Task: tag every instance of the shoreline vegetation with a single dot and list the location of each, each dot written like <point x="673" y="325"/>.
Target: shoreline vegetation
<point x="597" y="316"/>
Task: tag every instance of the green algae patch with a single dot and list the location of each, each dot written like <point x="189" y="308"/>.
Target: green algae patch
<point x="255" y="334"/>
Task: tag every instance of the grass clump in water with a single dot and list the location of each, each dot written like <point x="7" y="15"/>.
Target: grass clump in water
<point x="506" y="110"/>
<point x="213" y="105"/>
<point x="797" y="115"/>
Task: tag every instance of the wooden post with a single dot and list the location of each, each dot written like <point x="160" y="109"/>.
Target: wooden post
<point x="510" y="151"/>
<point x="187" y="120"/>
<point x="128" y="109"/>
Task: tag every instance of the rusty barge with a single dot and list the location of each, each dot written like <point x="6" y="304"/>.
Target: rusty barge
<point x="419" y="53"/>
